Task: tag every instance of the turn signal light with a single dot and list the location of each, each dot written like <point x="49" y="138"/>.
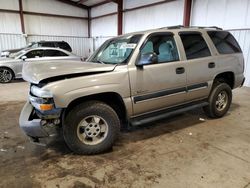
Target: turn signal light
<point x="45" y="107"/>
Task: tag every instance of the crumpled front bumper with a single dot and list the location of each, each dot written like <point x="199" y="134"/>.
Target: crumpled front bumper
<point x="33" y="127"/>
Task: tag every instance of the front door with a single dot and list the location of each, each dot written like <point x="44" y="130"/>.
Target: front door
<point x="31" y="55"/>
<point x="162" y="84"/>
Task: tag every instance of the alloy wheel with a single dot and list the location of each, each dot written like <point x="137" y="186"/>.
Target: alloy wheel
<point x="5" y="75"/>
<point x="222" y="100"/>
<point x="92" y="130"/>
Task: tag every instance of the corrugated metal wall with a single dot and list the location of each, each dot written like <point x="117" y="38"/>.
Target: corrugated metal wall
<point x="105" y="26"/>
<point x="10" y="41"/>
<point x="74" y="31"/>
<point x="228" y="14"/>
<point x="167" y="14"/>
<point x="81" y="46"/>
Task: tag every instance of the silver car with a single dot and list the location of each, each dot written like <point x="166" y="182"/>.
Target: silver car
<point x="11" y="67"/>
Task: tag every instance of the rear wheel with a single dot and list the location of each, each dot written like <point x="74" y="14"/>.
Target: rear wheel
<point x="6" y="75"/>
<point x="219" y="100"/>
<point x="91" y="128"/>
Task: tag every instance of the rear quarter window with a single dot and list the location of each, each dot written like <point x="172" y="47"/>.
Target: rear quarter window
<point x="224" y="42"/>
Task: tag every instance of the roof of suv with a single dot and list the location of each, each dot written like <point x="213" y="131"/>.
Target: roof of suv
<point x="176" y="28"/>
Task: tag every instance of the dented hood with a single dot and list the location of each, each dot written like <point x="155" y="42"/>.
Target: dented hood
<point x="34" y="72"/>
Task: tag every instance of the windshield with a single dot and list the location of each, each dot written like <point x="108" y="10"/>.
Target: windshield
<point x="116" y="51"/>
<point x="17" y="54"/>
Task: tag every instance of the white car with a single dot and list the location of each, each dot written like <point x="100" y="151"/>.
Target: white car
<point x="11" y="67"/>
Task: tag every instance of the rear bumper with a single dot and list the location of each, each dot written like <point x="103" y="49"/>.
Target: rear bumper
<point x="34" y="127"/>
<point x="239" y="80"/>
<point x="242" y="83"/>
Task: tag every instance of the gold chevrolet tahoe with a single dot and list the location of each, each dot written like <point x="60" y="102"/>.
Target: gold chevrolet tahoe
<point x="130" y="80"/>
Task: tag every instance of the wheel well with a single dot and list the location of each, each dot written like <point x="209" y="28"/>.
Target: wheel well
<point x="227" y="77"/>
<point x="10" y="70"/>
<point x="110" y="98"/>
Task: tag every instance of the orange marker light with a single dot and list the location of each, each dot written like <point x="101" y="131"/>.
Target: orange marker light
<point x="45" y="107"/>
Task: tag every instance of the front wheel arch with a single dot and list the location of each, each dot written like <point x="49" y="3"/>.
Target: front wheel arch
<point x="113" y="99"/>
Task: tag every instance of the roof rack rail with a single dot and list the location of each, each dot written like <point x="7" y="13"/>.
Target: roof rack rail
<point x="198" y="27"/>
<point x="173" y="27"/>
<point x="208" y="27"/>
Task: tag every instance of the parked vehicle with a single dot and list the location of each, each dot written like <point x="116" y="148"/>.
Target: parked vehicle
<point x="11" y="67"/>
<point x="56" y="44"/>
<point x="131" y="80"/>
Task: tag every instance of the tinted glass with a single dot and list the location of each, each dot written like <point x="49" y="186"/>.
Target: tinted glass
<point x="224" y="42"/>
<point x="64" y="46"/>
<point x="53" y="53"/>
<point x="195" y="46"/>
<point x="164" y="46"/>
<point x="35" y="53"/>
<point x="46" y="44"/>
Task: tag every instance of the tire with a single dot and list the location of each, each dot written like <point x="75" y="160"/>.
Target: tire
<point x="217" y="108"/>
<point x="84" y="135"/>
<point x="6" y="75"/>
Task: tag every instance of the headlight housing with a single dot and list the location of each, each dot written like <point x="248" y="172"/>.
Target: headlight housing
<point x="41" y="99"/>
<point x="40" y="92"/>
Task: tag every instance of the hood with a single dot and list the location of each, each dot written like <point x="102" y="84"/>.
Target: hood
<point x="6" y="60"/>
<point x="34" y="72"/>
<point x="13" y="50"/>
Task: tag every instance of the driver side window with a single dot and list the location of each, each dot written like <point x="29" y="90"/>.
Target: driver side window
<point x="34" y="54"/>
<point x="164" y="46"/>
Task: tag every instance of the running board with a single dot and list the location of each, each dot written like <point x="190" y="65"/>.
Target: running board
<point x="144" y="119"/>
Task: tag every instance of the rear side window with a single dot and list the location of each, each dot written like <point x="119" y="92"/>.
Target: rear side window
<point x="64" y="46"/>
<point x="195" y="46"/>
<point x="53" y="53"/>
<point x="224" y="42"/>
<point x="46" y="44"/>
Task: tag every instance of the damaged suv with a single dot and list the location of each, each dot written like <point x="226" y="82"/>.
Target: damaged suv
<point x="130" y="80"/>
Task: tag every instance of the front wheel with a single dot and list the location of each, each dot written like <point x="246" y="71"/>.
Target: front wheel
<point x="219" y="101"/>
<point x="91" y="128"/>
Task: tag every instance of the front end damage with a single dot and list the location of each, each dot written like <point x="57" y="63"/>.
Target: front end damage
<point x="39" y="117"/>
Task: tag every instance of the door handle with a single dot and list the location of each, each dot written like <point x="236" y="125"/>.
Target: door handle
<point x="180" y="70"/>
<point x="211" y="65"/>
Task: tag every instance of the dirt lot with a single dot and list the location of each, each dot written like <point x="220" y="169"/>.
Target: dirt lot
<point x="188" y="150"/>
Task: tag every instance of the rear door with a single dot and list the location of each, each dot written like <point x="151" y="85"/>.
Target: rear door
<point x="159" y="85"/>
<point x="200" y="64"/>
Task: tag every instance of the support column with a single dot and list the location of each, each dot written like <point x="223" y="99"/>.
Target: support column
<point x="89" y="22"/>
<point x="21" y="16"/>
<point x="120" y="16"/>
<point x="187" y="13"/>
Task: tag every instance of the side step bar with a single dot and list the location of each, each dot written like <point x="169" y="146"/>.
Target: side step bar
<point x="144" y="119"/>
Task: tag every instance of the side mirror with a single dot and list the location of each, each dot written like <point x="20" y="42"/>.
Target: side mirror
<point x="147" y="58"/>
<point x="24" y="57"/>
